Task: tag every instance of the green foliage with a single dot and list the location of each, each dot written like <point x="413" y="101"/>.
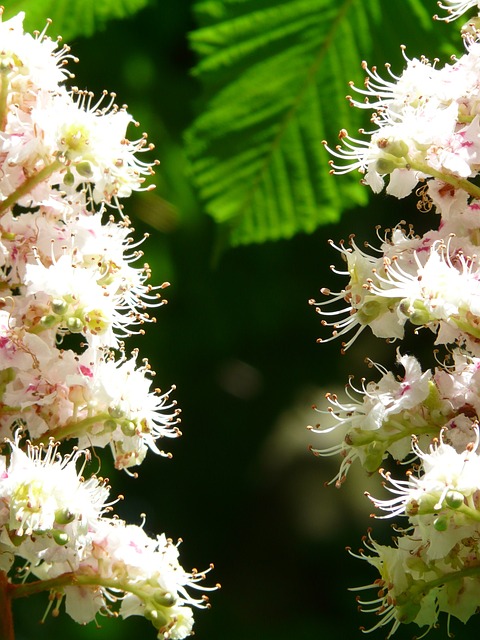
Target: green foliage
<point x="275" y="76"/>
<point x="72" y="18"/>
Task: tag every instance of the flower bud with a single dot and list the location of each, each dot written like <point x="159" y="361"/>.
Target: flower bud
<point x="60" y="537"/>
<point x="48" y="321"/>
<point x="128" y="428"/>
<point x="64" y="516"/>
<point x="74" y="324"/>
<point x="110" y="425"/>
<point x="385" y="165"/>
<point x="69" y="179"/>
<point x="454" y="499"/>
<point x="59" y="306"/>
<point x="440" y="523"/>
<point x="415" y="311"/>
<point x="84" y="169"/>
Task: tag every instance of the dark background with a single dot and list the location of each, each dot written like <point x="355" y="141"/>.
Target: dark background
<point x="238" y="338"/>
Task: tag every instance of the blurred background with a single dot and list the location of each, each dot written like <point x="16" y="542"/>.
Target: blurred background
<point x="238" y="339"/>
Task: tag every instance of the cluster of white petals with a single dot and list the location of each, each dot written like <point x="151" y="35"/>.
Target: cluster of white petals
<point x="73" y="287"/>
<point x="426" y="127"/>
<point x="431" y="281"/>
<point x="58" y="524"/>
<point x="425" y="138"/>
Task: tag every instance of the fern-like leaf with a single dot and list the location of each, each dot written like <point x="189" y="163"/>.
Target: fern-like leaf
<point x="275" y="76"/>
<point x="72" y="18"/>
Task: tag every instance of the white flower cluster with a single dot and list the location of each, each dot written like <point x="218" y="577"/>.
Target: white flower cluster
<point x="426" y="138"/>
<point x="69" y="266"/>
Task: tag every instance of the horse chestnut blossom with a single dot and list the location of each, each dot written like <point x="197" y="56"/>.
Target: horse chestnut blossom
<point x="73" y="288"/>
<point x="425" y="139"/>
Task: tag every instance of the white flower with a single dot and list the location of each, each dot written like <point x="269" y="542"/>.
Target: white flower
<point x="427" y="125"/>
<point x="455" y="8"/>
<point x="46" y="505"/>
<point x="33" y="62"/>
<point x="439" y="289"/>
<point x="382" y="420"/>
<point x="362" y="308"/>
<point x="144" y="572"/>
<point x="450" y="202"/>
<point x="131" y="417"/>
<point x="398" y="599"/>
<point x="91" y="139"/>
<point x="440" y="501"/>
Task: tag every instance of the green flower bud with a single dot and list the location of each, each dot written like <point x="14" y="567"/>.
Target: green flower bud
<point x="60" y="537"/>
<point x="48" y="321"/>
<point x="454" y="499"/>
<point x="59" y="306"/>
<point x="385" y="165"/>
<point x="128" y="428"/>
<point x="419" y="318"/>
<point x="84" y="169"/>
<point x="74" y="324"/>
<point x="68" y="179"/>
<point x="110" y="425"/>
<point x="415" y="311"/>
<point x="64" y="516"/>
<point x="440" y="523"/>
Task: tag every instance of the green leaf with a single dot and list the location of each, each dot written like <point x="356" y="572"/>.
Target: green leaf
<point x="72" y="18"/>
<point x="275" y="76"/>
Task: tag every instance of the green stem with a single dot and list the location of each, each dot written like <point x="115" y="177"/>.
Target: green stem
<point x="3" y="97"/>
<point x="74" y="429"/>
<point x="468" y="572"/>
<point x="29" y="184"/>
<point x="6" y="618"/>
<point x="359" y="437"/>
<point x="458" y="183"/>
<point x="71" y="579"/>
<point x="474" y="514"/>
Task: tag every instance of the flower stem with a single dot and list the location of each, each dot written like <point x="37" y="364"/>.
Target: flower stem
<point x="474" y="514"/>
<point x="458" y="183"/>
<point x="29" y="184"/>
<point x="4" y="84"/>
<point x="70" y="579"/>
<point x="74" y="429"/>
<point x="467" y="572"/>
<point x="6" y="618"/>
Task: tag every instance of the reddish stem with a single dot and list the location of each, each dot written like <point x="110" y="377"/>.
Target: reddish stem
<point x="6" y="617"/>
